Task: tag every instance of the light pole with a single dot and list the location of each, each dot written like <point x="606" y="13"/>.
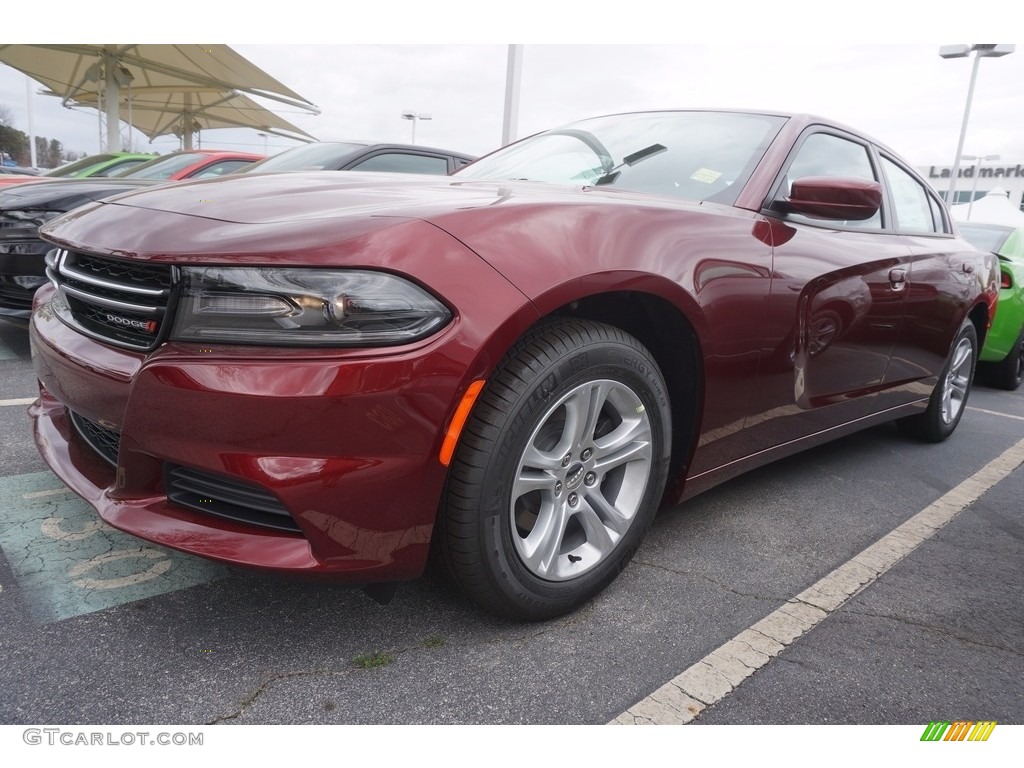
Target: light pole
<point x="264" y="135"/>
<point x="414" y="116"/>
<point x="980" y="50"/>
<point x="977" y="173"/>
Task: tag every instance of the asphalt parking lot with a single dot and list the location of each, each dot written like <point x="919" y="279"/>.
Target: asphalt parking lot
<point x="99" y="627"/>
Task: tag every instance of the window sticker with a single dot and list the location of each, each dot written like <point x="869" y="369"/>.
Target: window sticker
<point x="705" y="176"/>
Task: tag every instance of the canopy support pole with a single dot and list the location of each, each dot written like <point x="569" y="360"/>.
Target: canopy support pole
<point x="111" y="97"/>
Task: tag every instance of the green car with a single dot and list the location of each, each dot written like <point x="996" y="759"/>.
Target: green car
<point x="1002" y="357"/>
<point x="106" y="164"/>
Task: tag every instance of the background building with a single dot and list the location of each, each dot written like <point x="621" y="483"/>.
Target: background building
<point x="977" y="180"/>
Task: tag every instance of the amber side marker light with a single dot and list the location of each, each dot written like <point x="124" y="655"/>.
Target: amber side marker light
<point x="451" y="437"/>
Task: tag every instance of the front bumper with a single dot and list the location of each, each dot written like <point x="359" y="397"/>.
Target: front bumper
<point x="21" y="261"/>
<point x="345" y="442"/>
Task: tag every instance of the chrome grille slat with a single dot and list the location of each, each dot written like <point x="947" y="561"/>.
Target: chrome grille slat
<point x="121" y="302"/>
<point x="142" y="309"/>
<point x="82" y="277"/>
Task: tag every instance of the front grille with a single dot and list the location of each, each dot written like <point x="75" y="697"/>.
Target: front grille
<point x="118" y="301"/>
<point x="106" y="442"/>
<point x="226" y="497"/>
<point x="14" y="296"/>
<point x="121" y="272"/>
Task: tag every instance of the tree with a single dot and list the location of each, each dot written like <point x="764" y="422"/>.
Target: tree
<point x="13" y="143"/>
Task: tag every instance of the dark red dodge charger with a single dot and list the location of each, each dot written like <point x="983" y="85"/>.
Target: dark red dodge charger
<point x="324" y="374"/>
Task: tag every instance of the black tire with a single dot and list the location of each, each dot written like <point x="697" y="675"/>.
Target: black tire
<point x="949" y="398"/>
<point x="1009" y="373"/>
<point x="530" y="536"/>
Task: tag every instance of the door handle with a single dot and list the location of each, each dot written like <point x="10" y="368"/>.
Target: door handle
<point x="898" y="278"/>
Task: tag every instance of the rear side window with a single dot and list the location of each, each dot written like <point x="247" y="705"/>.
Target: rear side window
<point x="914" y="209"/>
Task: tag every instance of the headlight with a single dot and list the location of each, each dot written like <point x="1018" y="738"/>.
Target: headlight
<point x="30" y="216"/>
<point x="310" y="307"/>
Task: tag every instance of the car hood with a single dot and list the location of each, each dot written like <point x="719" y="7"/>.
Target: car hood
<point x="317" y="217"/>
<point x="287" y="198"/>
<point x="65" y="195"/>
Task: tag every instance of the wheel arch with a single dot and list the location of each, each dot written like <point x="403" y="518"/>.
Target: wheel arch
<point x="671" y="338"/>
<point x="661" y="315"/>
<point x="980" y="319"/>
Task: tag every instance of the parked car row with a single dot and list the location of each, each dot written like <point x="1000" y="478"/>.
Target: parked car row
<point x="17" y="170"/>
<point x="24" y="208"/>
<point x="103" y="165"/>
<point x="513" y="366"/>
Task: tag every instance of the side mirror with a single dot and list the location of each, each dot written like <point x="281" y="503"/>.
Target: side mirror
<point x="834" y="198"/>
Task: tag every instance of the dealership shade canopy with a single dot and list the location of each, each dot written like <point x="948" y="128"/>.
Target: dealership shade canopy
<point x="191" y="109"/>
<point x="993" y="208"/>
<point x="97" y="74"/>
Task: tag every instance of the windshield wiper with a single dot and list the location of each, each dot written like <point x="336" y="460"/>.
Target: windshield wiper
<point x="636" y="157"/>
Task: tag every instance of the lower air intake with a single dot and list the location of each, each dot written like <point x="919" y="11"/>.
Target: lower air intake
<point x="228" y="498"/>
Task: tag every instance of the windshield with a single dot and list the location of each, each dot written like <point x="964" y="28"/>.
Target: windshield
<point x="309" y="157"/>
<point x="166" y="166"/>
<point x="696" y="155"/>
<point x="986" y="237"/>
<point x="80" y="165"/>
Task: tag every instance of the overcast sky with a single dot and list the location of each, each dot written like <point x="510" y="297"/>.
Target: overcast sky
<point x="903" y="94"/>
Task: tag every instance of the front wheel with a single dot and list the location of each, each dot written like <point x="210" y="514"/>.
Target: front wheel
<point x="559" y="471"/>
<point x="949" y="398"/>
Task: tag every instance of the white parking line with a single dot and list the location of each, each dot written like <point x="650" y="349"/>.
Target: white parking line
<point x="19" y="401"/>
<point x="41" y="494"/>
<point x="995" y="413"/>
<point x="719" y="673"/>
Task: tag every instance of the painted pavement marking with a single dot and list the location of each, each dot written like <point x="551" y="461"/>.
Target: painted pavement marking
<point x="18" y="400"/>
<point x="68" y="562"/>
<point x="723" y="670"/>
<point x="995" y="413"/>
<point x="50" y="492"/>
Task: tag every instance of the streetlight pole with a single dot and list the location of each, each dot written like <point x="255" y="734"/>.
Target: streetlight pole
<point x="980" y="50"/>
<point x="513" y="77"/>
<point x="261" y="133"/>
<point x="414" y="116"/>
<point x="977" y="173"/>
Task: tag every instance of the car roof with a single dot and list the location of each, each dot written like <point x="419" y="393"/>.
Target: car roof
<point x="376" y="145"/>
